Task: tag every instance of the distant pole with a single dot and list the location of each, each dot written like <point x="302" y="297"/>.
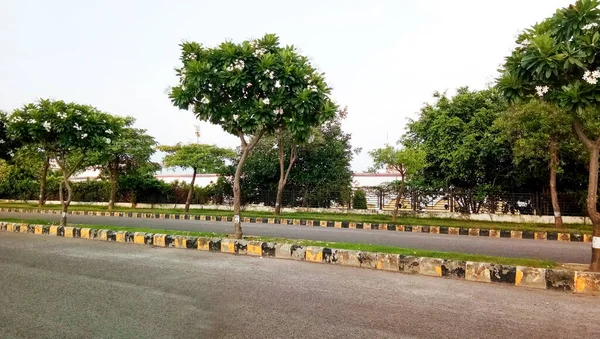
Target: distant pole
<point x="197" y="133"/>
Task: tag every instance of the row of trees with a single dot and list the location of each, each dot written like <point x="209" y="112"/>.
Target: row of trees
<point x="539" y="126"/>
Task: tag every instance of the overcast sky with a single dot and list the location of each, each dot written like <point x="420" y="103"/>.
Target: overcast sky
<point x="384" y="59"/>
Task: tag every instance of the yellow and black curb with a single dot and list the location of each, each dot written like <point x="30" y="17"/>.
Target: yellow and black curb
<point x="466" y="231"/>
<point x="539" y="278"/>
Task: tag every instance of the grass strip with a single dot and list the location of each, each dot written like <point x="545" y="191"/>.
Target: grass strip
<point x="364" y="218"/>
<point x="336" y="245"/>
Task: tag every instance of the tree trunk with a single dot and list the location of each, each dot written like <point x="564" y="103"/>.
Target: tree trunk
<point x="398" y="198"/>
<point x="43" y="181"/>
<point x="283" y="173"/>
<point x="65" y="204"/>
<point x="592" y="195"/>
<point x="592" y="200"/>
<point x="237" y="223"/>
<point x="558" y="222"/>
<point x="246" y="148"/>
<point x="113" y="188"/>
<point x="190" y="193"/>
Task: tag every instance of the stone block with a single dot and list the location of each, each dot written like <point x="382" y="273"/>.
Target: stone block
<point x="358" y="259"/>
<point x="388" y="262"/>
<point x="531" y="277"/>
<point x="453" y="269"/>
<point x="409" y="264"/>
<point x="587" y="282"/>
<point x="587" y="238"/>
<point x="503" y="274"/>
<point x="494" y="233"/>
<point x="314" y="254"/>
<point x="431" y="267"/>
<point x="434" y="229"/>
<point x="516" y="234"/>
<point x="71" y="232"/>
<point x="453" y="230"/>
<point x="228" y="246"/>
<point x="474" y="232"/>
<point x="160" y="240"/>
<point x="39" y="229"/>
<point x="477" y="271"/>
<point x="564" y="237"/>
<point x="540" y="235"/>
<point x="562" y="280"/>
<point x="85" y="233"/>
<point x="255" y="248"/>
<point x="139" y="238"/>
<point x="330" y="255"/>
<point x="103" y="234"/>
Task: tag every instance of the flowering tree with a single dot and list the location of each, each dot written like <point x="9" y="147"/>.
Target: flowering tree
<point x="67" y="133"/>
<point x="7" y="146"/>
<point x="251" y="89"/>
<point x="200" y="158"/>
<point x="557" y="60"/>
<point x="130" y="150"/>
<point x="406" y="161"/>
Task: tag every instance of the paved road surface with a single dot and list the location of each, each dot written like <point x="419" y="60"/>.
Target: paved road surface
<point x="558" y="251"/>
<point x="71" y="288"/>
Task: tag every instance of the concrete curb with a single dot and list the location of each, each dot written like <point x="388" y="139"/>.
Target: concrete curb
<point x="474" y="232"/>
<point x="531" y="277"/>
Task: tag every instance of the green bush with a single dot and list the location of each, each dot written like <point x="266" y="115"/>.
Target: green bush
<point x="360" y="200"/>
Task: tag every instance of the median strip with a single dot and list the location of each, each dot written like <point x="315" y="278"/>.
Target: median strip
<point x="564" y="235"/>
<point x="509" y="271"/>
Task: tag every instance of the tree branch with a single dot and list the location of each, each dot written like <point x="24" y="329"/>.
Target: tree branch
<point x="579" y="131"/>
<point x="256" y="138"/>
<point x="293" y="154"/>
<point x="243" y="139"/>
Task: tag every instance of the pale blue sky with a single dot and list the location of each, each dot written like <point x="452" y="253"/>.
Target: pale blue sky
<point x="384" y="59"/>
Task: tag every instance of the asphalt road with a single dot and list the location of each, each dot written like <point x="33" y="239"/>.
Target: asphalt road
<point x="72" y="288"/>
<point x="559" y="251"/>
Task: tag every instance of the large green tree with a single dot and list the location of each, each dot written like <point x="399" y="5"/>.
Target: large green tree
<point x="557" y="60"/>
<point x="67" y="133"/>
<point x="128" y="152"/>
<point x="406" y="161"/>
<point x="321" y="173"/>
<point x="251" y="89"/>
<point x="461" y="145"/>
<point x="199" y="158"/>
<point x="540" y="134"/>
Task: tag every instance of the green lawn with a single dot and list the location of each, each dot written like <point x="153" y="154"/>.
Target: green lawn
<point x="372" y="218"/>
<point x="337" y="245"/>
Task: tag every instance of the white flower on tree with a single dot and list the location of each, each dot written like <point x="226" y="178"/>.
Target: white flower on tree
<point x="47" y="125"/>
<point x="84" y="135"/>
<point x="270" y="74"/>
<point x="77" y="127"/>
<point x="107" y="140"/>
<point x="541" y="90"/>
<point x="591" y="77"/>
<point x="1" y="141"/>
<point x="259" y="52"/>
<point x="266" y="101"/>
<point x="312" y="88"/>
<point x="590" y="26"/>
<point x="278" y="111"/>
<point x="31" y="121"/>
<point x="205" y="100"/>
<point x="277" y="84"/>
<point x="108" y="131"/>
<point x="62" y="115"/>
<point x="248" y="85"/>
<point x="235" y="117"/>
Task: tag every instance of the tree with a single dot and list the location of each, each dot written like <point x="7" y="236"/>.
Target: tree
<point x="461" y="145"/>
<point x="320" y="175"/>
<point x="67" y="133"/>
<point x="200" y="158"/>
<point x="128" y="152"/>
<point x="6" y="145"/>
<point x="540" y="133"/>
<point x="252" y="89"/>
<point x="556" y="60"/>
<point x="359" y="202"/>
<point x="407" y="161"/>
